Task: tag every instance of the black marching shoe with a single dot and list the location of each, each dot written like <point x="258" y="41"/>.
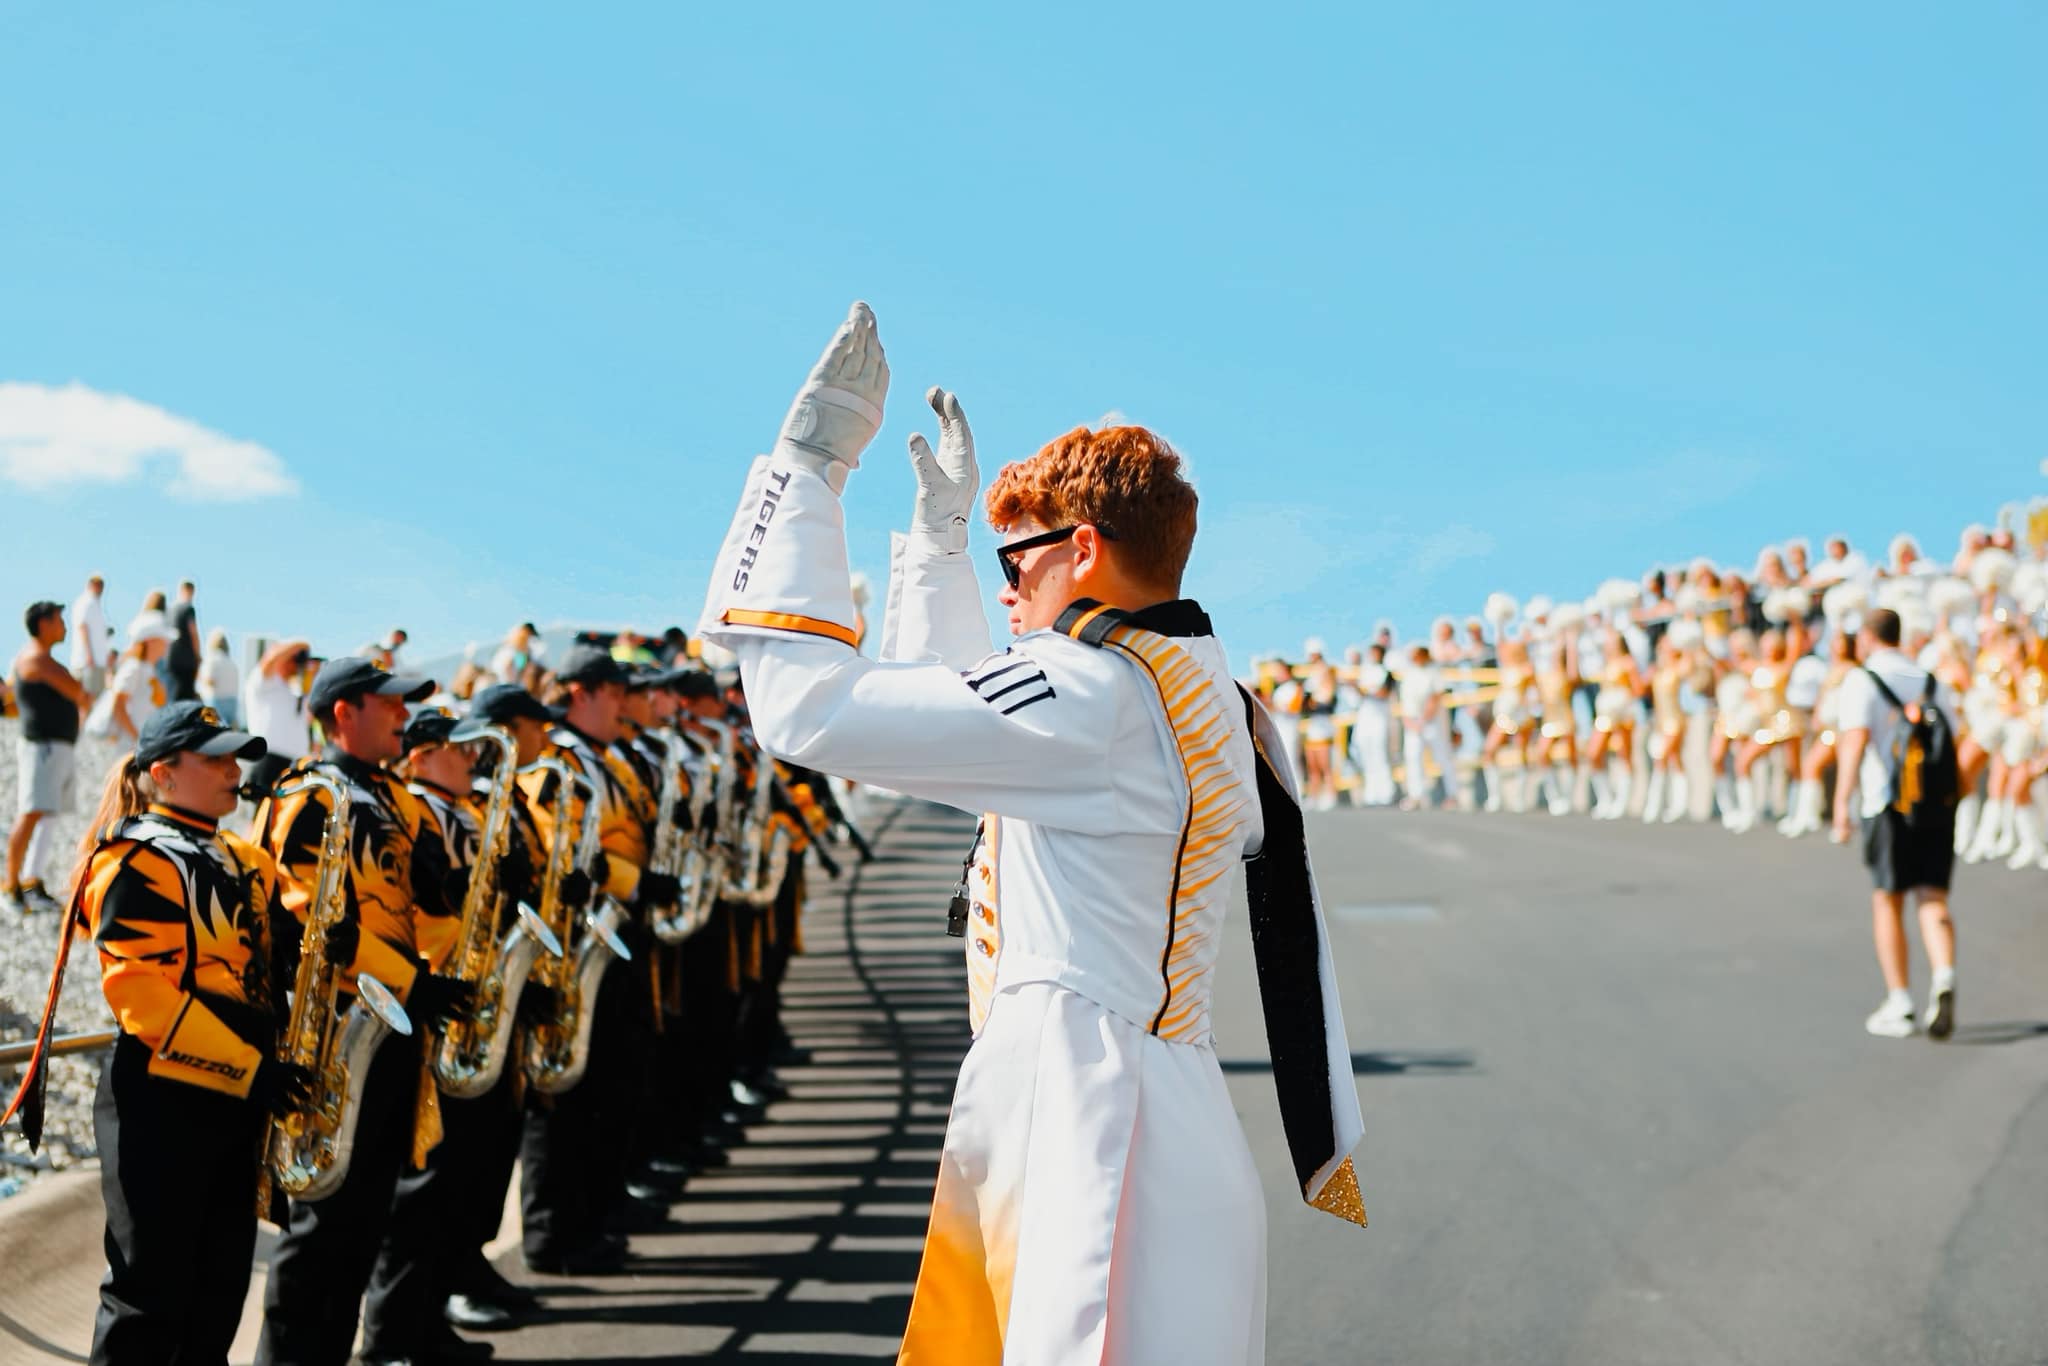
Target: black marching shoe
<point x="595" y="1258"/>
<point x="477" y="1315"/>
<point x="640" y="1214"/>
<point x="482" y="1281"/>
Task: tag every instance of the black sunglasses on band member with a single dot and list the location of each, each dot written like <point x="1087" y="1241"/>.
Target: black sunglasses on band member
<point x="1006" y="554"/>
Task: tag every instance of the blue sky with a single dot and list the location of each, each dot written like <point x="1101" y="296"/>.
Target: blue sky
<point x="1437" y="301"/>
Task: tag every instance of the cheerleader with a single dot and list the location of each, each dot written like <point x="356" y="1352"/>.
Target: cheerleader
<point x="1514" y="720"/>
<point x="1425" y="731"/>
<point x="1735" y="718"/>
<point x="2027" y="757"/>
<point x="1991" y="709"/>
<point x="1372" y="729"/>
<point x="1822" y="678"/>
<point x="1556" y="679"/>
<point x="1775" y="726"/>
<point x="1611" y="752"/>
<point x="1666" y="798"/>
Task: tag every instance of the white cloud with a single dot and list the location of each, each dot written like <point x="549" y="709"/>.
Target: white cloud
<point x="51" y="437"/>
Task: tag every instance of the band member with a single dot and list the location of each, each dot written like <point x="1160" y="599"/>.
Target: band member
<point x="191" y="947"/>
<point x="1080" y="1215"/>
<point x="1808" y="815"/>
<point x="1772" y="725"/>
<point x="575" y="1145"/>
<point x="1557" y="744"/>
<point x="395" y="864"/>
<point x="1318" y="725"/>
<point x="485" y="1151"/>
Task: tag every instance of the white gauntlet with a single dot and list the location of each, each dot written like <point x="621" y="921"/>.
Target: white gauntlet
<point x="947" y="481"/>
<point x="839" y="409"/>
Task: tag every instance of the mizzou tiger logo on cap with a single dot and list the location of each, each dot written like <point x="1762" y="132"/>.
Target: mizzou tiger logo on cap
<point x="211" y="717"/>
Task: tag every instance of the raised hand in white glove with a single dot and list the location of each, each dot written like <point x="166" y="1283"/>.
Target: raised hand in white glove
<point x="839" y="409"/>
<point x="947" y="481"/>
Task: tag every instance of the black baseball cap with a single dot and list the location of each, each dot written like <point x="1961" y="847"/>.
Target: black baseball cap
<point x="197" y="727"/>
<point x="590" y="666"/>
<point x="352" y="677"/>
<point x="692" y="683"/>
<point x="429" y="726"/>
<point x="499" y="703"/>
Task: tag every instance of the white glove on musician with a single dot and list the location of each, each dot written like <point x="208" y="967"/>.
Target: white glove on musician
<point x="839" y="409"/>
<point x="947" y="481"/>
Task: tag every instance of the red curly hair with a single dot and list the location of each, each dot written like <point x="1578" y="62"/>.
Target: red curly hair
<point x="1125" y="478"/>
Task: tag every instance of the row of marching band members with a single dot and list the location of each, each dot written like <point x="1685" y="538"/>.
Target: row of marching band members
<point x="1590" y="708"/>
<point x="544" y="935"/>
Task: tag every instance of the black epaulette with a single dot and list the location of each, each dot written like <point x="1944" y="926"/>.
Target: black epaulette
<point x="1089" y="621"/>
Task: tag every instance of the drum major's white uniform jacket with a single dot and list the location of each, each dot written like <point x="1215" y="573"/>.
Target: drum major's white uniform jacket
<point x="1096" y="1199"/>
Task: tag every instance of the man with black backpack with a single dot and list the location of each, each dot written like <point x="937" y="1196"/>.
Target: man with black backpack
<point x="1898" y="738"/>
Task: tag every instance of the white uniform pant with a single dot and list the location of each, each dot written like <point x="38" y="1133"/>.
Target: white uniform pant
<point x="1096" y="1201"/>
<point x="1371" y="741"/>
<point x="1432" y="737"/>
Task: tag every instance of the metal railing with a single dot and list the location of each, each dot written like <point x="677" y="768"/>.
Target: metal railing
<point x="15" y="1054"/>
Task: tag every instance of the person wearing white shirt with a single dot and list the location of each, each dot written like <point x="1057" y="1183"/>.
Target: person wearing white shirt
<point x="1096" y="1199"/>
<point x="220" y="682"/>
<point x="91" y="638"/>
<point x="1425" y="730"/>
<point x="1372" y="729"/>
<point x="274" y="707"/>
<point x="1902" y="859"/>
<point x="137" y="691"/>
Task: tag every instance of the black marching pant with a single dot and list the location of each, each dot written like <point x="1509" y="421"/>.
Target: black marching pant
<point x="428" y="1244"/>
<point x="178" y="1170"/>
<point x="322" y="1264"/>
<point x="710" y="1010"/>
<point x="574" y="1146"/>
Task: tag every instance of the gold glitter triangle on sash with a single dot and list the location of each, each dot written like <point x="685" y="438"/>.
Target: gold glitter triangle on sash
<point x="1340" y="1196"/>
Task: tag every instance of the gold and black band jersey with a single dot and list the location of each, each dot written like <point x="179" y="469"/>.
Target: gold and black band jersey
<point x="384" y="822"/>
<point x="183" y="916"/>
<point x="621" y="832"/>
<point x="456" y="819"/>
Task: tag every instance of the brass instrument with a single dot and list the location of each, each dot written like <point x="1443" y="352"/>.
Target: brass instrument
<point x="764" y="842"/>
<point x="557" y="1049"/>
<point x="309" y="1149"/>
<point x="469" y="1056"/>
<point x="698" y="861"/>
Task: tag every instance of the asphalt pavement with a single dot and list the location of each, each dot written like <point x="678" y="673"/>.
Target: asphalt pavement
<point x="1619" y="1108"/>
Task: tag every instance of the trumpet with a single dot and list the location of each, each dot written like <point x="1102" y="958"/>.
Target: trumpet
<point x="557" y="1049"/>
<point x="696" y="859"/>
<point x="469" y="1056"/>
<point x="309" y="1148"/>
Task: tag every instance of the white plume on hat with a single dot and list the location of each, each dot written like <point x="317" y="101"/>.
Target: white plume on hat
<point x="2029" y="587"/>
<point x="1500" y="609"/>
<point x="1537" y="608"/>
<point x="1843" y="599"/>
<point x="1947" y="596"/>
<point x="1315" y="645"/>
<point x="1992" y="568"/>
<point x="1618" y="595"/>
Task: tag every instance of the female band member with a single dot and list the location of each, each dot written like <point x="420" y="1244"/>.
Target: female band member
<point x="1513" y="722"/>
<point x="182" y="914"/>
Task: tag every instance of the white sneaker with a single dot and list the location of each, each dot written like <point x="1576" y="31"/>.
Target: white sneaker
<point x="1941" y="1012"/>
<point x="1892" y="1020"/>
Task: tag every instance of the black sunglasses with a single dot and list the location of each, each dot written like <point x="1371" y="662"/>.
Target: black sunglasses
<point x="1006" y="555"/>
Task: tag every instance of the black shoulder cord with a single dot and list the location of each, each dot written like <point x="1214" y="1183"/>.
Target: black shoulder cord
<point x="956" y="909"/>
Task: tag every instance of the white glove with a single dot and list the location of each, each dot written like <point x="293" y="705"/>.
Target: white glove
<point x="948" y="481"/>
<point x="839" y="409"/>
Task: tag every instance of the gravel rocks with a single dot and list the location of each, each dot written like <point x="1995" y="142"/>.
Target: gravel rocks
<point x="28" y="946"/>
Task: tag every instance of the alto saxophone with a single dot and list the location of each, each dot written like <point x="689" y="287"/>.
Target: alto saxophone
<point x="692" y="856"/>
<point x="469" y="1056"/>
<point x="557" y="1049"/>
<point x="309" y="1148"/>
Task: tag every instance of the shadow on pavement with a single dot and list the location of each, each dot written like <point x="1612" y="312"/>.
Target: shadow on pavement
<point x="2002" y="1031"/>
<point x="1388" y="1062"/>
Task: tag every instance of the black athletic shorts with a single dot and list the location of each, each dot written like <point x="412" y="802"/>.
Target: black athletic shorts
<point x="1901" y="857"/>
